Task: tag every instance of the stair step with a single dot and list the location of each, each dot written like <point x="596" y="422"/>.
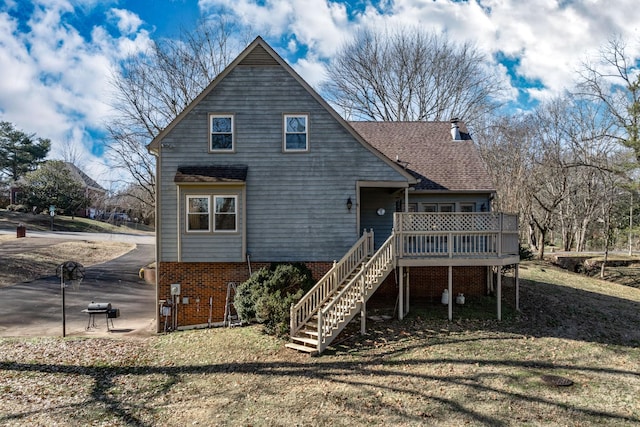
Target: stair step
<point x="311" y="333"/>
<point x="312" y="351"/>
<point x="306" y="340"/>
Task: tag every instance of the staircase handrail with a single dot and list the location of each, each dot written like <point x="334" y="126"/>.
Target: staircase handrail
<point x="359" y="281"/>
<point x="309" y="304"/>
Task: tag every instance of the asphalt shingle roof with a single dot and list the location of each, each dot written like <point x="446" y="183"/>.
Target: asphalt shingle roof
<point x="216" y="173"/>
<point x="430" y="154"/>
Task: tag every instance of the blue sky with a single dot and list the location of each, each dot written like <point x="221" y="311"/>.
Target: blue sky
<point x="57" y="56"/>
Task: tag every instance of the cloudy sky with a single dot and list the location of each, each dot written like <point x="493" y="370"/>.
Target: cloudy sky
<point x="58" y="56"/>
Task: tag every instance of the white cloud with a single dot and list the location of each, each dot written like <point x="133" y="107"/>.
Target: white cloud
<point x="550" y="38"/>
<point x="54" y="82"/>
<point x="126" y="21"/>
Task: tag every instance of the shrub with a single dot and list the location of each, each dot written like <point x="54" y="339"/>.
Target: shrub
<point x="267" y="296"/>
<point x="525" y="253"/>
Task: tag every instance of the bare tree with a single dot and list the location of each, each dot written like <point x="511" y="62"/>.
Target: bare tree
<point x="614" y="81"/>
<point x="72" y="153"/>
<point x="409" y="74"/>
<point x="152" y="88"/>
<point x="554" y="167"/>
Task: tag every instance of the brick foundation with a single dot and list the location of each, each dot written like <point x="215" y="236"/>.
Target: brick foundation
<point x="200" y="281"/>
<point x="429" y="282"/>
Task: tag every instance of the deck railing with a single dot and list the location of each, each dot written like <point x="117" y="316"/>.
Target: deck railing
<point x="456" y="235"/>
<point x="335" y="315"/>
<point x="326" y="286"/>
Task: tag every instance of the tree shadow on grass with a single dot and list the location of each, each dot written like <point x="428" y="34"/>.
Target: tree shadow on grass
<point x="549" y="310"/>
<point x="411" y="379"/>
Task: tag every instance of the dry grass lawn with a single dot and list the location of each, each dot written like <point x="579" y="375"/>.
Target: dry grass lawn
<point x="28" y="263"/>
<point x="421" y="371"/>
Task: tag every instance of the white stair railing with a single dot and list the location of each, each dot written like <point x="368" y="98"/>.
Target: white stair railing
<point x="310" y="303"/>
<point x="335" y="315"/>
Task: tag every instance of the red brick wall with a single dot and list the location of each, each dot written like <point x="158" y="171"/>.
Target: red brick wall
<point x="200" y="281"/>
<point x="429" y="282"/>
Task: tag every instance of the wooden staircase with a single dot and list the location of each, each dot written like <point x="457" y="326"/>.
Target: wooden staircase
<point x="318" y="318"/>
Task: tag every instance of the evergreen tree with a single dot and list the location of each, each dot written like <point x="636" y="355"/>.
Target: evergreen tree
<point x="54" y="184"/>
<point x="19" y="152"/>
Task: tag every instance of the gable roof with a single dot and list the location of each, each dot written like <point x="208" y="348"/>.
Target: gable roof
<point x="260" y="54"/>
<point x="83" y="178"/>
<point x="428" y="151"/>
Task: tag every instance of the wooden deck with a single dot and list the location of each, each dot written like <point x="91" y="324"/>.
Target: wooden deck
<point x="417" y="239"/>
<point x="455" y="239"/>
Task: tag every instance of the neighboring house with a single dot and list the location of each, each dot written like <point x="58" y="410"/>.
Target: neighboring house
<point x="92" y="191"/>
<point x="260" y="169"/>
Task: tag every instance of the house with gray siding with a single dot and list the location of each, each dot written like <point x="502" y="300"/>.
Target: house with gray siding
<point x="259" y="168"/>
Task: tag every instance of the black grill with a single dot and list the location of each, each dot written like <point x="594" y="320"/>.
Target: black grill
<point x="99" y="306"/>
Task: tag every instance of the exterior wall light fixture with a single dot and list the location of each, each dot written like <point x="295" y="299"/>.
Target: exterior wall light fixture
<point x="349" y="204"/>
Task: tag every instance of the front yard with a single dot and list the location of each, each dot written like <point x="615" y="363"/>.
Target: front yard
<point x="422" y="371"/>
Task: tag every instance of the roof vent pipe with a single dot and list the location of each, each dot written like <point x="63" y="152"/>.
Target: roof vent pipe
<point x="455" y="129"/>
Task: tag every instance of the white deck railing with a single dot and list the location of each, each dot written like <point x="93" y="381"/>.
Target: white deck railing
<point x="337" y="299"/>
<point x="335" y="315"/>
<point x="326" y="286"/>
<point x="456" y="235"/>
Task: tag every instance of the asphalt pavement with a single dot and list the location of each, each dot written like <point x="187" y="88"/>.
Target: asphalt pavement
<point x="35" y="308"/>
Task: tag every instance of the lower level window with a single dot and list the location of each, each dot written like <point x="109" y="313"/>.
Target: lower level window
<point x="225" y="213"/>
<point x="197" y="213"/>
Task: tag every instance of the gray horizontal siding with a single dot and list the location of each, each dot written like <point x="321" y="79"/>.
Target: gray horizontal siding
<point x="296" y="202"/>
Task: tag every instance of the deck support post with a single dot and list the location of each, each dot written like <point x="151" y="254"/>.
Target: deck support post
<point x="517" y="287"/>
<point x="450" y="283"/>
<point x="363" y="318"/>
<point x="401" y="293"/>
<point x="489" y="279"/>
<point x="499" y="293"/>
<point x="406" y="304"/>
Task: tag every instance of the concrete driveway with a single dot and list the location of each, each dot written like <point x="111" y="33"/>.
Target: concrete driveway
<point x="35" y="308"/>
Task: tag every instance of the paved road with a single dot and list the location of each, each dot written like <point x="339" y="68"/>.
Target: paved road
<point x="35" y="308"/>
<point x="139" y="239"/>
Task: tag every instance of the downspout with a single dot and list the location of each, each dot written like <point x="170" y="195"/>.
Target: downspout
<point x="156" y="154"/>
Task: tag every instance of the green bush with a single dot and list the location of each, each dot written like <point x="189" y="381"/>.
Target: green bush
<point x="268" y="294"/>
<point x="525" y="253"/>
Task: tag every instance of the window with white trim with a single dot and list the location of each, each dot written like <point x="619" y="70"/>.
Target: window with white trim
<point x="225" y="216"/>
<point x="296" y="132"/>
<point x="467" y="207"/>
<point x="198" y="213"/>
<point x="221" y="132"/>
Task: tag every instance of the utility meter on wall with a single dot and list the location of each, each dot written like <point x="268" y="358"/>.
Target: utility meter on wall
<point x="175" y="289"/>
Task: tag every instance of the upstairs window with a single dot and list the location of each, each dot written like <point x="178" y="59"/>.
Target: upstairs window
<point x="225" y="213"/>
<point x="296" y="132"/>
<point x="197" y="213"/>
<point x="221" y="132"/>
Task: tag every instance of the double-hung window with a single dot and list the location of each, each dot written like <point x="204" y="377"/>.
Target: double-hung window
<point x="221" y="133"/>
<point x="225" y="217"/>
<point x="296" y="132"/>
<point x="198" y="213"/>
